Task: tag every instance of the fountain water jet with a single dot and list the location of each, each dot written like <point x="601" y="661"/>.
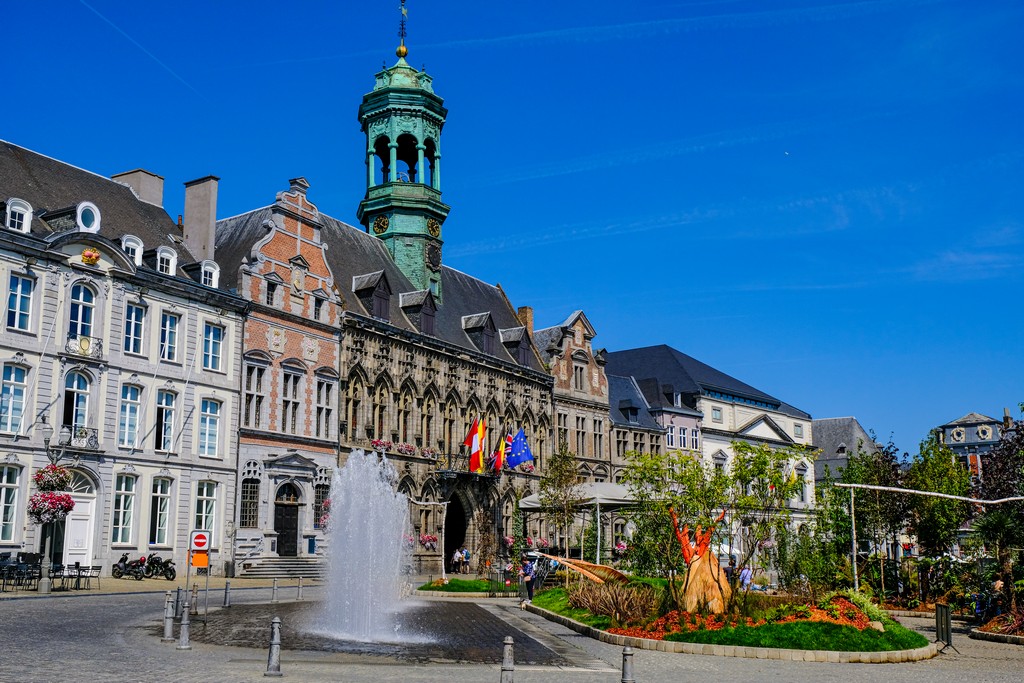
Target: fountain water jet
<point x="366" y="551"/>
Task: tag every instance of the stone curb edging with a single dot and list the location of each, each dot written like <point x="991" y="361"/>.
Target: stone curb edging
<point x="996" y="637"/>
<point x="890" y="657"/>
<point x="924" y="615"/>
<point x="449" y="594"/>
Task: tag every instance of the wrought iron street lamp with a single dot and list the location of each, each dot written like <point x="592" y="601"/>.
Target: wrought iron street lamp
<point x="54" y="455"/>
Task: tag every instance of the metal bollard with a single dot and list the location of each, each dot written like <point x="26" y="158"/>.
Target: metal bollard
<point x="508" y="664"/>
<point x="627" y="665"/>
<point x="178" y="604"/>
<point x="168" y="619"/>
<point x="183" y="637"/>
<point x="227" y="594"/>
<point x="195" y="599"/>
<point x="274" y="656"/>
<point x="299" y="596"/>
<point x="273" y="596"/>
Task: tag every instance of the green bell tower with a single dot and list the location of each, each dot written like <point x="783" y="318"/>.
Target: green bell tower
<point x="402" y="119"/>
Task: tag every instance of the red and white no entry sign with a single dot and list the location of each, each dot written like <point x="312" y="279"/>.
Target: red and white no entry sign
<point x="200" y="540"/>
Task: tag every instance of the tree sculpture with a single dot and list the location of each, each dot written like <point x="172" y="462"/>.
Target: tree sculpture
<point x="705" y="586"/>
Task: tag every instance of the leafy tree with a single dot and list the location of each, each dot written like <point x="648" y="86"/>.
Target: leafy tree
<point x="1002" y="526"/>
<point x="560" y="490"/>
<point x="936" y="521"/>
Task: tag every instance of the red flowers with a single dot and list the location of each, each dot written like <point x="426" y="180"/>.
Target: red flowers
<point x="49" y="506"/>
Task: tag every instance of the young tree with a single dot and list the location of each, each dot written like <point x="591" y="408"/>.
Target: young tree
<point x="560" y="490"/>
<point x="1002" y="526"/>
<point x="936" y="521"/>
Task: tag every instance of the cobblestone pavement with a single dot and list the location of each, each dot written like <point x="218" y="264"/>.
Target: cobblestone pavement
<point x="115" y="637"/>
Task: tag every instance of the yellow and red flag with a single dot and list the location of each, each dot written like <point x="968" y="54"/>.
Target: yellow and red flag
<point x="475" y="442"/>
<point x="504" y="446"/>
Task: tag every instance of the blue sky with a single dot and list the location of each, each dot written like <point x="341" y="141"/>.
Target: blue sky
<point x="822" y="199"/>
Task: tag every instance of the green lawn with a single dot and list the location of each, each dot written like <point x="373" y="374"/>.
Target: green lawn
<point x="806" y="635"/>
<point x="555" y="601"/>
<point x="459" y="586"/>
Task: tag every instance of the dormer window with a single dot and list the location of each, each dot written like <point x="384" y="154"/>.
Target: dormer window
<point x="166" y="260"/>
<point x="381" y="297"/>
<point x="210" y="274"/>
<point x="87" y="217"/>
<point x="132" y="246"/>
<point x="19" y="215"/>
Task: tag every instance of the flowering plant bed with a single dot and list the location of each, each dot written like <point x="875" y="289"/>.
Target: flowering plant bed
<point x="49" y="506"/>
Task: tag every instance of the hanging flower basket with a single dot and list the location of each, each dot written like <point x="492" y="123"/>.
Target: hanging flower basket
<point x="509" y="541"/>
<point x="405" y="449"/>
<point x="382" y="445"/>
<point x="52" y="478"/>
<point x="49" y="506"/>
<point x="90" y="257"/>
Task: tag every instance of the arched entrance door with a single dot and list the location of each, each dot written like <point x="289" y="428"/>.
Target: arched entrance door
<point x="286" y="520"/>
<point x="71" y="539"/>
<point x="454" y="528"/>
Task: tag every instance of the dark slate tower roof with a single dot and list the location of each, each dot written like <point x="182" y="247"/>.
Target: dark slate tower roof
<point x="686" y="375"/>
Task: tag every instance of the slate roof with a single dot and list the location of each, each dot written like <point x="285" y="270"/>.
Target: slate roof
<point x="686" y="375"/>
<point x="972" y="419"/>
<point x="51" y="185"/>
<point x="832" y="433"/>
<point x="623" y="393"/>
<point x="353" y="254"/>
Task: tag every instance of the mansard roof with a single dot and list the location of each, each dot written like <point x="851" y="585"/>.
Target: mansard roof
<point x="352" y="252"/>
<point x="623" y="394"/>
<point x="687" y="376"/>
<point x="51" y="186"/>
<point x="972" y="419"/>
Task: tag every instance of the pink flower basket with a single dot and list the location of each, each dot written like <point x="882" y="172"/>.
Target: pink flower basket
<point x="49" y="506"/>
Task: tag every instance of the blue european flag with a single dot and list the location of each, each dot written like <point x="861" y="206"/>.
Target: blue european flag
<point x="520" y="451"/>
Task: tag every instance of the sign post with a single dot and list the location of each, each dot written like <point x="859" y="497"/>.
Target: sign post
<point x="199" y="543"/>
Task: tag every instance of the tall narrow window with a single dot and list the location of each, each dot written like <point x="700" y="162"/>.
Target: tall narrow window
<point x="324" y="408"/>
<point x="209" y="428"/>
<point x="563" y="429"/>
<point x="321" y="492"/>
<point x="19" y="303"/>
<point x="682" y="437"/>
<point x="169" y="336"/>
<point x="380" y="411"/>
<point x="12" y="399"/>
<point x="80" y="314"/>
<point x="670" y="436"/>
<point x="271" y="293"/>
<point x="290" y="402"/>
<point x="254" y="396"/>
<point x="354" y="398"/>
<point x="598" y="438"/>
<point x="124" y="505"/>
<point x="405" y="417"/>
<point x="206" y="505"/>
<point x="579" y="377"/>
<point x="695" y="439"/>
<point x="128" y="425"/>
<point x="581" y="436"/>
<point x="213" y="338"/>
<point x="76" y="400"/>
<point x="248" y="513"/>
<point x="134" y="316"/>
<point x="160" y="511"/>
<point x="165" y="421"/>
<point x="8" y="501"/>
<point x="318" y="308"/>
<point x="427" y="421"/>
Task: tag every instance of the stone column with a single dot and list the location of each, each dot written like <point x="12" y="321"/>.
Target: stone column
<point x="393" y="156"/>
<point x="419" y="162"/>
<point x="370" y="167"/>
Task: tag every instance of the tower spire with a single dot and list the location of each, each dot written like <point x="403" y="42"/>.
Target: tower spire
<point x="402" y="50"/>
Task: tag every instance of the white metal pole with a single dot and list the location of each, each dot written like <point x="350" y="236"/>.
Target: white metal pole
<point x="853" y="543"/>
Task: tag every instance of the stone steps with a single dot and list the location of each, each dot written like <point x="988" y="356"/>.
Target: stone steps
<point x="283" y="568"/>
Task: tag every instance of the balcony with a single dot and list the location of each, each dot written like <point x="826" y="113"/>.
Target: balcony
<point x="84" y="347"/>
<point x="83" y="438"/>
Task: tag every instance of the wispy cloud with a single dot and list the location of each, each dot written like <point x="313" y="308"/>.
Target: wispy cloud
<point x="966" y="265"/>
<point x="139" y="45"/>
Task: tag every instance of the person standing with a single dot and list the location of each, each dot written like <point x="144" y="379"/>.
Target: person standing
<point x="457" y="561"/>
<point x="745" y="577"/>
<point x="465" y="560"/>
<point x="528" y="572"/>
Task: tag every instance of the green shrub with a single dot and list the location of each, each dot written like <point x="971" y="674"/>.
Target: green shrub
<point x="458" y="586"/>
<point x="624" y="604"/>
<point x="805" y="635"/>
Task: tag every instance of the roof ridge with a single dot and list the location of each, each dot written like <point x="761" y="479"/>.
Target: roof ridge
<point x="77" y="168"/>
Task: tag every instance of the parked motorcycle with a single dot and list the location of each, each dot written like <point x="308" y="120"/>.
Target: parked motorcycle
<point x="133" y="569"/>
<point x="155" y="566"/>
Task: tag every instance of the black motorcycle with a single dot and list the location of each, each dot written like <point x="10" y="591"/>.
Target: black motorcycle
<point x="155" y="566"/>
<point x="134" y="569"/>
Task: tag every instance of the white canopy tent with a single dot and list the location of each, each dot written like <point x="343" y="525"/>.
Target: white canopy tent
<point x="596" y="495"/>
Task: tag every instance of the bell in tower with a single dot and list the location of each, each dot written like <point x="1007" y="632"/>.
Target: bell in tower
<point x="402" y="119"/>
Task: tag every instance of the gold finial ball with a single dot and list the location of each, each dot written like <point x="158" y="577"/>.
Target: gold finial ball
<point x="402" y="51"/>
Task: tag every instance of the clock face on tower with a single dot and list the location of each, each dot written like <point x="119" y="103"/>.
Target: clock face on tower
<point x="433" y="227"/>
<point x="380" y="224"/>
<point x="433" y="254"/>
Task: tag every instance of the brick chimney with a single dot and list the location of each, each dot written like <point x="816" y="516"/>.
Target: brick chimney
<point x="525" y="315"/>
<point x="149" y="186"/>
<point x="201" y="216"/>
<point x="1007" y="419"/>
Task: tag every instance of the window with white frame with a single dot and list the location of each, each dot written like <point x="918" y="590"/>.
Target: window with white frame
<point x="76" y="400"/>
<point x="19" y="302"/>
<point x="169" y="323"/>
<point x="128" y="426"/>
<point x="12" y="398"/>
<point x="290" y="382"/>
<point x="19" y="215"/>
<point x="159" y="511"/>
<point x="83" y="301"/>
<point x="325" y="408"/>
<point x="716" y="414"/>
<point x="8" y="501"/>
<point x="209" y="428"/>
<point x="166" y="260"/>
<point x="213" y="340"/>
<point x="801" y="481"/>
<point x="165" y="415"/>
<point x="132" y="246"/>
<point x="670" y="436"/>
<point x="206" y="505"/>
<point x="798" y="430"/>
<point x="210" y="274"/>
<point x="87" y="216"/>
<point x="695" y="439"/>
<point x="682" y="437"/>
<point x="124" y="505"/>
<point x="253" y="416"/>
<point x="134" y="317"/>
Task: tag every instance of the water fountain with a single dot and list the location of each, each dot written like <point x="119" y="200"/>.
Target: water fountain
<point x="366" y="552"/>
